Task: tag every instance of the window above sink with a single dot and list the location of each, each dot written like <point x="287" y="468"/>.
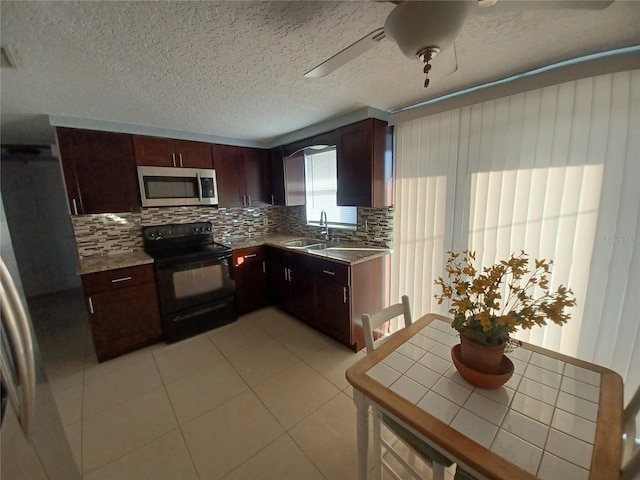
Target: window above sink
<point x="321" y="186"/>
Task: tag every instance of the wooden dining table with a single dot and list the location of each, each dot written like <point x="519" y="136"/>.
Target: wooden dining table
<point x="556" y="418"/>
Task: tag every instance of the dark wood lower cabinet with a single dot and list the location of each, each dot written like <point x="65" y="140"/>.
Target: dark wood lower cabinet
<point x="290" y="287"/>
<point x="123" y="310"/>
<point x="333" y="294"/>
<point x="328" y="295"/>
<point x="250" y="276"/>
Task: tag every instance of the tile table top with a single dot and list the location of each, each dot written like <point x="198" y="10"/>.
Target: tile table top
<point x="543" y="420"/>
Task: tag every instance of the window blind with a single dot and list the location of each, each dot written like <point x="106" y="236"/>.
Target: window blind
<point x="321" y="179"/>
<point x="554" y="172"/>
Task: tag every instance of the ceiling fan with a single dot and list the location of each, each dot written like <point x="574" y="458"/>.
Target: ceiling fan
<point x="424" y="29"/>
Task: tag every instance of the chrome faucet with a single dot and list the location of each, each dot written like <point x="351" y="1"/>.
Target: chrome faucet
<point x="324" y="224"/>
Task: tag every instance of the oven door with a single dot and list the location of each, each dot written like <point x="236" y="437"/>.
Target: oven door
<point x="184" y="284"/>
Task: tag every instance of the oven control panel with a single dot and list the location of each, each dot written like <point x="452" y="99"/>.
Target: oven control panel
<point x="177" y="230"/>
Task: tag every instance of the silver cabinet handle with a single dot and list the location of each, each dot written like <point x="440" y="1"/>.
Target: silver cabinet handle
<point x="75" y="206"/>
<point x="248" y="200"/>
<point x="244" y="200"/>
<point x="180" y="155"/>
<point x="18" y="332"/>
<point x="264" y="267"/>
<point x="328" y="272"/>
<point x="344" y="292"/>
<point x="173" y="157"/>
<point x="286" y="274"/>
<point x="91" y="306"/>
<point x="123" y="279"/>
<point x="250" y="256"/>
<point x="273" y="199"/>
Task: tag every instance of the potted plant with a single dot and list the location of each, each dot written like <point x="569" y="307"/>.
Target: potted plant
<point x="485" y="318"/>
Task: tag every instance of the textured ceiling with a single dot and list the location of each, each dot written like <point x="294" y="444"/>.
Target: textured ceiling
<point x="235" y="69"/>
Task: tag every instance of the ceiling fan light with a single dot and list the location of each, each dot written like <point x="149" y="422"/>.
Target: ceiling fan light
<point x="414" y="25"/>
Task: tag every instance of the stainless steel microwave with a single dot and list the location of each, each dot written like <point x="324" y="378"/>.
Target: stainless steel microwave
<point x="173" y="186"/>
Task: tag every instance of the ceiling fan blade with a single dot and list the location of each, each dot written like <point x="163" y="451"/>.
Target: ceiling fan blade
<point x="501" y="6"/>
<point x="344" y="56"/>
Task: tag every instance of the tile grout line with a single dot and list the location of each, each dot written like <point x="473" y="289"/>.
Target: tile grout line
<point x="286" y="431"/>
<point x="179" y="426"/>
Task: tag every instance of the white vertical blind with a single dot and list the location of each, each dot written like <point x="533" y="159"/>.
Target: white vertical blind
<point x="554" y="172"/>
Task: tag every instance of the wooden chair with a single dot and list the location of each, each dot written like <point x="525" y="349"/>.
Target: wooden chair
<point x="429" y="455"/>
<point x="630" y="448"/>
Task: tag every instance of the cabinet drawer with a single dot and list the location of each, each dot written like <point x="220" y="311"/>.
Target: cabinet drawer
<point x="248" y="255"/>
<point x="118" y="278"/>
<point x="337" y="271"/>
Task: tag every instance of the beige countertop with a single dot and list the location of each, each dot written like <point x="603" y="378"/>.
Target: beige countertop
<point x="101" y="263"/>
<point x="349" y="254"/>
<point x="346" y="253"/>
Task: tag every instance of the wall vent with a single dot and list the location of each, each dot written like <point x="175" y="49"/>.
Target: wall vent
<point x="6" y="58"/>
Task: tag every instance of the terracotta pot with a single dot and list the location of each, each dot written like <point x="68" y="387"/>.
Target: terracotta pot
<point x="479" y="379"/>
<point x="480" y="357"/>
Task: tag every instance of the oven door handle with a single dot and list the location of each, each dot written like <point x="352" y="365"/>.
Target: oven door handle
<point x="199" y="183"/>
<point x="179" y="318"/>
<point x="186" y="264"/>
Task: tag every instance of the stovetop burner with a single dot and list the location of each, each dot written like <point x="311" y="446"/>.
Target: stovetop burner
<point x="183" y="240"/>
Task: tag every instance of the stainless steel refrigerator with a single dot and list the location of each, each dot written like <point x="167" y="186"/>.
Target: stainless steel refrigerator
<point x="33" y="443"/>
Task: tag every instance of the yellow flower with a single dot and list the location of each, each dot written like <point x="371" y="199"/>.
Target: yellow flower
<point x="501" y="299"/>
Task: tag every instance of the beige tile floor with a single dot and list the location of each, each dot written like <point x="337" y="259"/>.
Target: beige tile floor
<point x="262" y="398"/>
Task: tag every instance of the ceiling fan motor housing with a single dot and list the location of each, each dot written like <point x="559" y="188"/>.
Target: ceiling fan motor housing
<point x="416" y="25"/>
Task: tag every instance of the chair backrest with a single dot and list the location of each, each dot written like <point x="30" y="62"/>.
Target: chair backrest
<point x="371" y="322"/>
<point x="631" y="447"/>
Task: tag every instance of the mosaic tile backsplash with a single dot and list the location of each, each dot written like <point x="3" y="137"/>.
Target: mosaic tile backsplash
<point x="112" y="233"/>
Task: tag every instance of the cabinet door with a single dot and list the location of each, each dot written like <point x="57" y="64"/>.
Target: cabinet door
<point x="193" y="154"/>
<point x="287" y="178"/>
<point x="333" y="300"/>
<point x="124" y="320"/>
<point x="227" y="161"/>
<point x="278" y="276"/>
<point x="276" y="170"/>
<point x="294" y="180"/>
<point x="354" y="164"/>
<point x="256" y="176"/>
<point x="155" y="151"/>
<point x="302" y="302"/>
<point x="364" y="159"/>
<point x="249" y="273"/>
<point x="99" y="171"/>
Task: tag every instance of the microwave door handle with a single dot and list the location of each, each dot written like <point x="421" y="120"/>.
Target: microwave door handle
<point x="199" y="186"/>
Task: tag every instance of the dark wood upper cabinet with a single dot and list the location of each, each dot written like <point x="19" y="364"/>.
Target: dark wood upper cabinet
<point x="242" y="175"/>
<point x="364" y="155"/>
<point x="256" y="176"/>
<point x="287" y="178"/>
<point x="169" y="152"/>
<point x="227" y="162"/>
<point x="99" y="171"/>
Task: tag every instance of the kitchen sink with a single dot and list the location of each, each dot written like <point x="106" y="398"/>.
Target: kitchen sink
<point x="359" y="249"/>
<point x="317" y="246"/>
<point x="302" y="243"/>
